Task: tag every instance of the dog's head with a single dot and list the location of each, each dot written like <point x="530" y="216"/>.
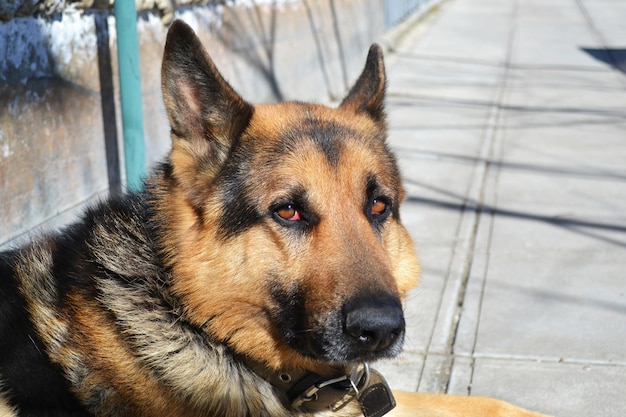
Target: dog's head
<point x="281" y="221"/>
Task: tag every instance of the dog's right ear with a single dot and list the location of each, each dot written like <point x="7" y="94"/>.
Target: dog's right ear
<point x="206" y="114"/>
<point x="368" y="93"/>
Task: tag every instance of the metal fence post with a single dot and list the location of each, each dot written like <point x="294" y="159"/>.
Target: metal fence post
<point x="130" y="93"/>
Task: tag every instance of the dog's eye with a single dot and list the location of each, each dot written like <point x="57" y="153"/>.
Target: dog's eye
<point x="379" y="207"/>
<point x="288" y="212"/>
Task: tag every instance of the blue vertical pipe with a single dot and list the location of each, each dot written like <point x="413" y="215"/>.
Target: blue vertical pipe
<point x="130" y="93"/>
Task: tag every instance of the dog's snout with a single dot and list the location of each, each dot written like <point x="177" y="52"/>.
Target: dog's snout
<point x="375" y="323"/>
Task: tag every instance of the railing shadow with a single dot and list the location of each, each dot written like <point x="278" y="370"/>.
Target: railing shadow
<point x="107" y="97"/>
<point x="587" y="228"/>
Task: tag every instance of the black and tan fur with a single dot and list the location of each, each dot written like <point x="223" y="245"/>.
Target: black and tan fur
<point x="270" y="238"/>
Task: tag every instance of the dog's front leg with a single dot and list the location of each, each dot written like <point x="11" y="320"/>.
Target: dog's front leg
<point x="412" y="404"/>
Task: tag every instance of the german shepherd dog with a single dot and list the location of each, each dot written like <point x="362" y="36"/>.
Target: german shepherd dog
<point x="260" y="270"/>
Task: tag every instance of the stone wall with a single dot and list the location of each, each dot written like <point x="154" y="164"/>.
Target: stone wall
<point x="60" y="129"/>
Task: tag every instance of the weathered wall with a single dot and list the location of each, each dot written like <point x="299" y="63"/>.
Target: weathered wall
<point x="59" y="117"/>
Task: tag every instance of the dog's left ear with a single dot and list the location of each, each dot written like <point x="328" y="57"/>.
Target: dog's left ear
<point x="368" y="93"/>
<point x="200" y="104"/>
<point x="206" y="114"/>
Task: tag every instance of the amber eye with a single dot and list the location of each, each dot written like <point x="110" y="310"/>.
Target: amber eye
<point x="379" y="206"/>
<point x="288" y="212"/>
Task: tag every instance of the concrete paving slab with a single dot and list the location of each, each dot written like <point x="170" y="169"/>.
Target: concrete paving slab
<point x="560" y="389"/>
<point x="563" y="304"/>
<point x="460" y="33"/>
<point x="547" y="44"/>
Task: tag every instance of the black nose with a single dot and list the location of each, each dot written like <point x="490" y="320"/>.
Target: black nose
<point x="375" y="322"/>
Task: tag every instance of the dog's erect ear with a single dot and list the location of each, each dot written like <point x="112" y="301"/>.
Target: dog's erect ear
<point x="368" y="93"/>
<point x="206" y="114"/>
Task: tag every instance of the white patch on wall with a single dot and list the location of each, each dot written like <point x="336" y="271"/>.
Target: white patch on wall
<point x="6" y="150"/>
<point x="71" y="43"/>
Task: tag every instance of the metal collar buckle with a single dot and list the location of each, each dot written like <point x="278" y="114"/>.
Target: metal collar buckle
<point x="345" y="387"/>
<point x="359" y="378"/>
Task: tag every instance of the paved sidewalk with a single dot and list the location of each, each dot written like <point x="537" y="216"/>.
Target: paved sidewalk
<point x="509" y="117"/>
